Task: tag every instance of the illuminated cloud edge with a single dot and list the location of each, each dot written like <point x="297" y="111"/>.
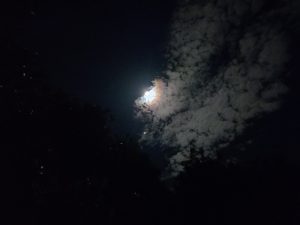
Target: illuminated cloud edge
<point x="227" y="62"/>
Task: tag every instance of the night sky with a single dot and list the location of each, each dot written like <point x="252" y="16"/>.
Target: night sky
<point x="150" y="112"/>
<point x="98" y="51"/>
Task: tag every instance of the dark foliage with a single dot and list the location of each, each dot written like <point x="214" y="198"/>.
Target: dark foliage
<point x="62" y="163"/>
<point x="256" y="193"/>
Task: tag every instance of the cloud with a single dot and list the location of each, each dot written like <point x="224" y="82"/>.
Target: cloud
<point x="227" y="61"/>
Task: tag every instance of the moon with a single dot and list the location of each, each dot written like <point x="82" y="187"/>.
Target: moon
<point x="150" y="96"/>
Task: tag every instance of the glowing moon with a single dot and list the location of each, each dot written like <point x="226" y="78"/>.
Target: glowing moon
<point x="152" y="96"/>
<point x="149" y="96"/>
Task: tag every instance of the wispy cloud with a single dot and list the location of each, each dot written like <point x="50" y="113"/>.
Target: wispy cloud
<point x="227" y="61"/>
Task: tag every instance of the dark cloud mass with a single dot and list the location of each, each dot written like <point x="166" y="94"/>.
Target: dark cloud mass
<point x="227" y="65"/>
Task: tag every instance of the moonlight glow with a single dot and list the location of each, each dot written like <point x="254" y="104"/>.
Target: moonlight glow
<point x="150" y="96"/>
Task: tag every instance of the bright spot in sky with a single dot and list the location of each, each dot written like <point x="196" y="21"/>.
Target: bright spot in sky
<point x="149" y="96"/>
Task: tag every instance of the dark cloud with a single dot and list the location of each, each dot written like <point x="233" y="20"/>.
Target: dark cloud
<point x="227" y="62"/>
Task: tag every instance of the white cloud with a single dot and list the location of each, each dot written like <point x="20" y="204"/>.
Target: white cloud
<point x="226" y="65"/>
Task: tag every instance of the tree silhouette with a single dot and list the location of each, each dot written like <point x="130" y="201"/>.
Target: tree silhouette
<point x="63" y="163"/>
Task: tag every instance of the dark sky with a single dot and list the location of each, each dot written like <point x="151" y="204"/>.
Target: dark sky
<point x="107" y="53"/>
<point x="103" y="52"/>
<point x="223" y="139"/>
